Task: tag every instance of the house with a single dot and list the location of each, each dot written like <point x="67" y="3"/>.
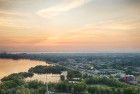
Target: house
<point x="64" y="74"/>
<point x="129" y="79"/>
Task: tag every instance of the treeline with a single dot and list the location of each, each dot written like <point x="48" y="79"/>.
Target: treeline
<point x="14" y="76"/>
<point x="55" y="70"/>
<point x="105" y="81"/>
<point x="18" y="86"/>
<point x="123" y="59"/>
<point x="46" y="69"/>
<point x="110" y="90"/>
<point x="15" y="84"/>
<point x="66" y="87"/>
<point x="83" y="88"/>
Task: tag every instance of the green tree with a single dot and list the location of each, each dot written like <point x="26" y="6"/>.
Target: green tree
<point x="23" y="90"/>
<point x="63" y="87"/>
<point x="79" y="87"/>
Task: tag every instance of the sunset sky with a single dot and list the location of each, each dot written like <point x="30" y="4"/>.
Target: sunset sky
<point x="70" y="25"/>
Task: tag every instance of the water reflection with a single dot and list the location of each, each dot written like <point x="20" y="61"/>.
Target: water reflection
<point x="55" y="78"/>
<point x="9" y="66"/>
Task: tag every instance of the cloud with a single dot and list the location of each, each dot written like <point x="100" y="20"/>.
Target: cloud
<point x="59" y="9"/>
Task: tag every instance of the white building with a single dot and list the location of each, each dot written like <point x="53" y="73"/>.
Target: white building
<point x="64" y="73"/>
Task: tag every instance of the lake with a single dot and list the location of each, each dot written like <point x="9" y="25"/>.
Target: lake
<point x="9" y="66"/>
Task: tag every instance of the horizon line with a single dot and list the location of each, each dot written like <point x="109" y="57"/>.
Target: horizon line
<point x="68" y="52"/>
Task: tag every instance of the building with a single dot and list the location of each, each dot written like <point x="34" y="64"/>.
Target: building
<point x="129" y="79"/>
<point x="64" y="73"/>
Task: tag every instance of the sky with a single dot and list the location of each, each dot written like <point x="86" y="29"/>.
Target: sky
<point x="70" y="26"/>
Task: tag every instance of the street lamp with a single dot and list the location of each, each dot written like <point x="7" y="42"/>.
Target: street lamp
<point x="47" y="92"/>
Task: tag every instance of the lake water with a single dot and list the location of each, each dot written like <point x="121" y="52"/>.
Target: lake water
<point x="9" y="66"/>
